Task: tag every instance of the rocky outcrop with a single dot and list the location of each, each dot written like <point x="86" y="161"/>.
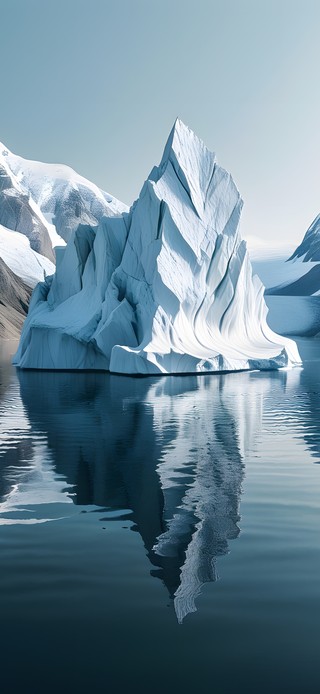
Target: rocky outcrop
<point x="14" y="299"/>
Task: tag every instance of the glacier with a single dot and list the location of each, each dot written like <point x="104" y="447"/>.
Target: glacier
<point x="164" y="288"/>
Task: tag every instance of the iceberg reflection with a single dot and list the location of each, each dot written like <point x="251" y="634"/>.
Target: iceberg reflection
<point x="169" y="452"/>
<point x="29" y="485"/>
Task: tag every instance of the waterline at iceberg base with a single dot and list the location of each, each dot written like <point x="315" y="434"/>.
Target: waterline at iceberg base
<point x="164" y="288"/>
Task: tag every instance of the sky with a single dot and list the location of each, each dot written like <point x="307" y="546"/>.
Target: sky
<point x="97" y="84"/>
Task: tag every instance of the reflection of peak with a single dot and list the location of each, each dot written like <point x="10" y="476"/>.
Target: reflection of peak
<point x="205" y="516"/>
<point x="168" y="451"/>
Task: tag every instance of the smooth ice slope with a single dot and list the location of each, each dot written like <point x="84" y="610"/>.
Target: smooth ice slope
<point x="165" y="288"/>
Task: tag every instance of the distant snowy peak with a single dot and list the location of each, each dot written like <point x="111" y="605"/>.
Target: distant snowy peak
<point x="64" y="197"/>
<point x="309" y="248"/>
<point x="301" y="276"/>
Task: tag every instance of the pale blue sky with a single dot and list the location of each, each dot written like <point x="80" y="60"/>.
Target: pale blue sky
<point x="97" y="84"/>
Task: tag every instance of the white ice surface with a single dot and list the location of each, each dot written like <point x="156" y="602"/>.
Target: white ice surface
<point x="167" y="288"/>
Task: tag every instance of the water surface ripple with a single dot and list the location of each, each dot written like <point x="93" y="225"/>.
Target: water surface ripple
<point x="190" y="464"/>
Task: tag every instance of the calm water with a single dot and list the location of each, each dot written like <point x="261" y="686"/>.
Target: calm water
<point x="160" y="535"/>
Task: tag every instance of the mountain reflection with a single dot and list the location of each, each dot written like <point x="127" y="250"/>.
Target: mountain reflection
<point x="308" y="408"/>
<point x="168" y="453"/>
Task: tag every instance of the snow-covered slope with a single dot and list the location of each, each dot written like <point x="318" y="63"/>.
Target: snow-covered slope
<point x="64" y="197"/>
<point x="301" y="274"/>
<point x="306" y="284"/>
<point x="309" y="248"/>
<point x="19" y="212"/>
<point x="16" y="252"/>
<point x="36" y="199"/>
<point x="292" y="282"/>
<point x="167" y="288"/>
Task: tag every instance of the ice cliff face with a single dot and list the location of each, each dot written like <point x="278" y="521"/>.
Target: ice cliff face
<point x="165" y="288"/>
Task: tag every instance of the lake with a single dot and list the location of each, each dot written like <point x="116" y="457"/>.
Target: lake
<point x="160" y="534"/>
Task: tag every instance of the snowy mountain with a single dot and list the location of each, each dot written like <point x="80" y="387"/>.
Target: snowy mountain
<point x="40" y="206"/>
<point x="303" y="265"/>
<point x="309" y="249"/>
<point x="292" y="282"/>
<point x="65" y="198"/>
<point x="165" y="288"/>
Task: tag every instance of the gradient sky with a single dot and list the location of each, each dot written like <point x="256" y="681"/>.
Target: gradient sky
<point x="97" y="84"/>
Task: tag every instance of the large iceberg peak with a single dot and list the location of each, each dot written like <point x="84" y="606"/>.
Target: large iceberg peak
<point x="192" y="161"/>
<point x="167" y="288"/>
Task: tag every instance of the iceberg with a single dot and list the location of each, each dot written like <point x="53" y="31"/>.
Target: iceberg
<point x="165" y="288"/>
